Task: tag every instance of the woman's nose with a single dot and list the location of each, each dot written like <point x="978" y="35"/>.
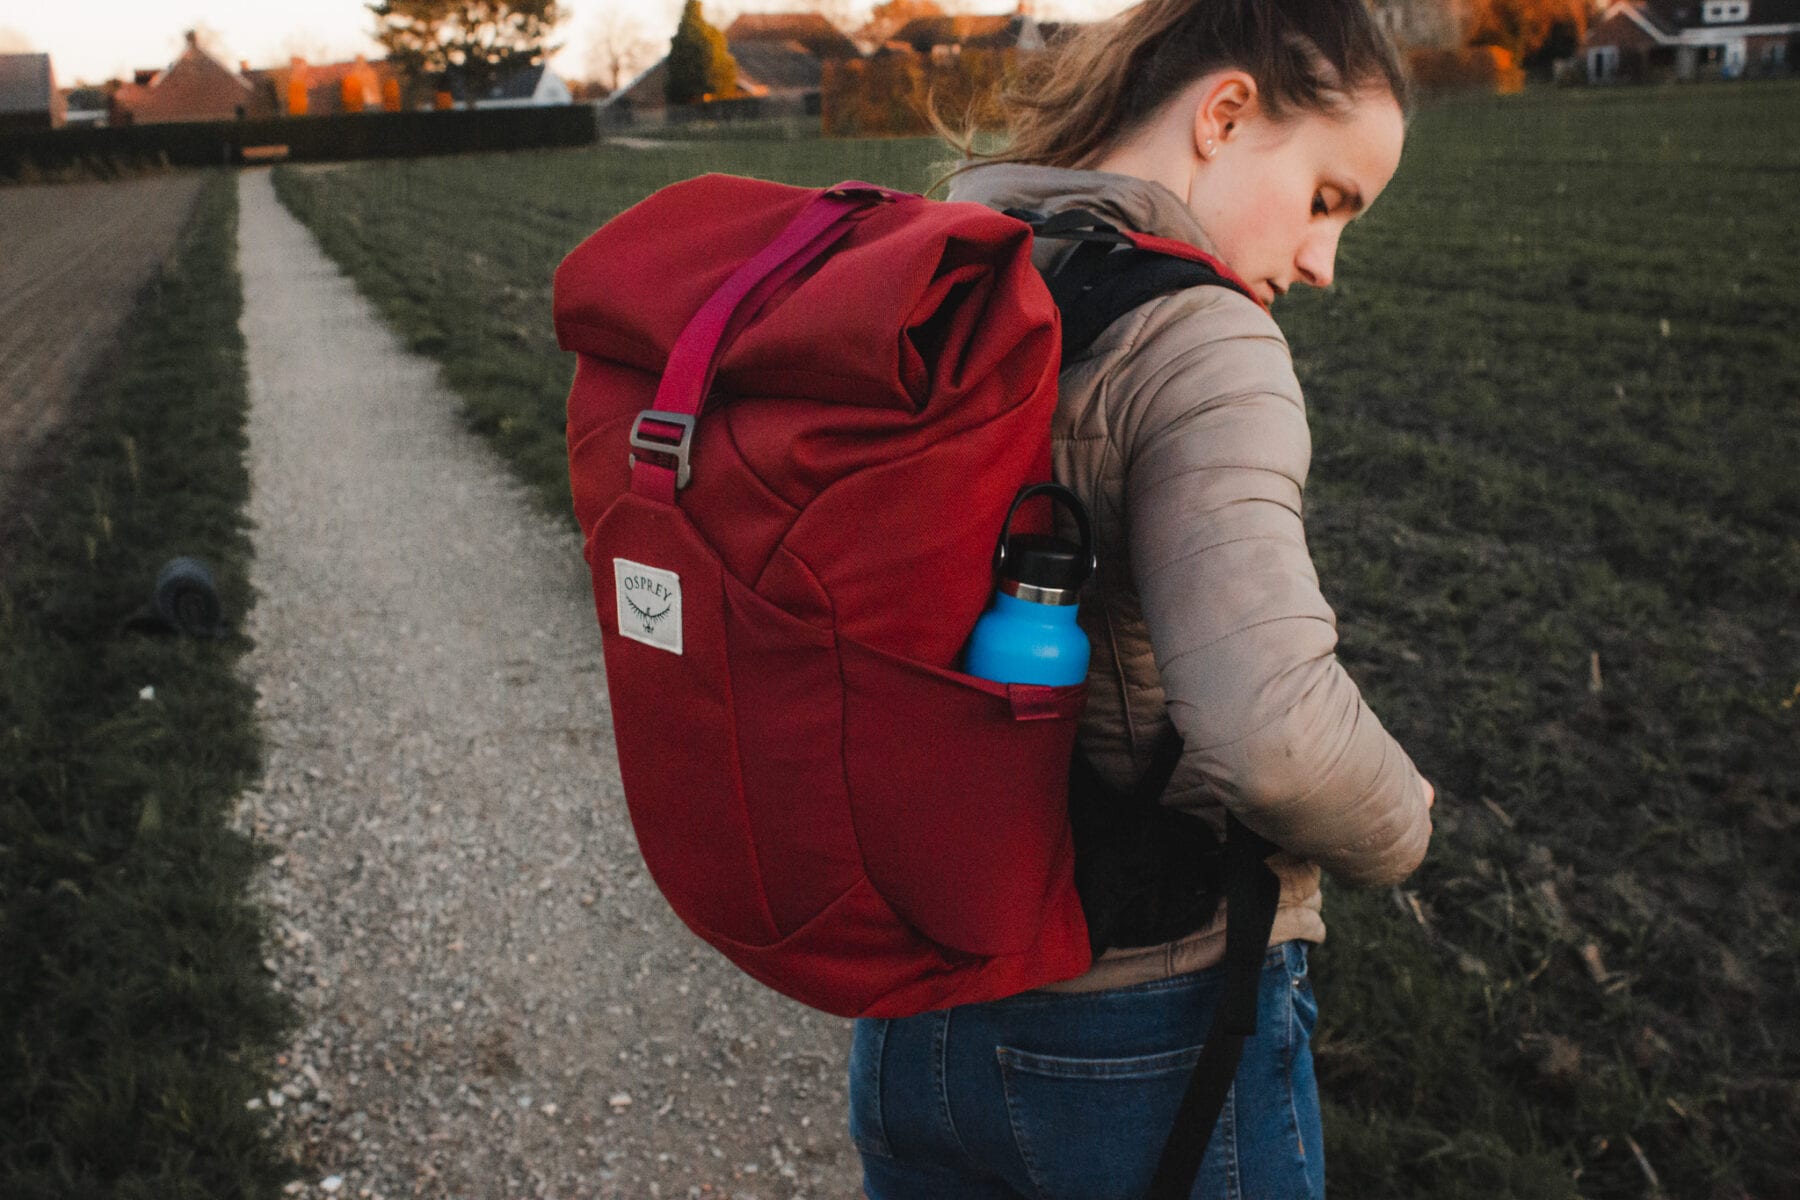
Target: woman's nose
<point x="1317" y="260"/>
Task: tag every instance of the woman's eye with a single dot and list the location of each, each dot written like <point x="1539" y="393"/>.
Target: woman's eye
<point x="1320" y="208"/>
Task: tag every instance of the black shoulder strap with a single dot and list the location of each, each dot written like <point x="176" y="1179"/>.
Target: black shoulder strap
<point x="1165" y="756"/>
<point x="1106" y="276"/>
<point x="1251" y="894"/>
<point x="1093" y="291"/>
<point x="1102" y="280"/>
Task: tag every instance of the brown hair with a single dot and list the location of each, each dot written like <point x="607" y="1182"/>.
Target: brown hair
<point x="1067" y="105"/>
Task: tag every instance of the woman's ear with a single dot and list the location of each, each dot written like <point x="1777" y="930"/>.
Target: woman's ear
<point x="1226" y="99"/>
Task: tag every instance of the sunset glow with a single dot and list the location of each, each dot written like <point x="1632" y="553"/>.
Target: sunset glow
<point x="94" y="40"/>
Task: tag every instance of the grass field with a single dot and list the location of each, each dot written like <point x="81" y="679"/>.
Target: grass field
<point x="1556" y="416"/>
<point x="136" y="1019"/>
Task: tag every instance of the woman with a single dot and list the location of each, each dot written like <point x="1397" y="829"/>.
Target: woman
<point x="1255" y="130"/>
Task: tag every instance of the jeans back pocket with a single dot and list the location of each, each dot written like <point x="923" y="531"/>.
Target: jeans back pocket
<point x="1093" y="1128"/>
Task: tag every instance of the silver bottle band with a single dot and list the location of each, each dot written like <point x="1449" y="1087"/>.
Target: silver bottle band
<point x="1033" y="594"/>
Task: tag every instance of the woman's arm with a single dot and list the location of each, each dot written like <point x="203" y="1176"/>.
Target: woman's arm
<point x="1217" y="452"/>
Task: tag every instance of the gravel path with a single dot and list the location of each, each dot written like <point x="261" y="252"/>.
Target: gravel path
<point x="497" y="1002"/>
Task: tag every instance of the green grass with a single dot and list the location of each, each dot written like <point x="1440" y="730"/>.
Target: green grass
<point x="1557" y="416"/>
<point x="458" y="253"/>
<point x="780" y="129"/>
<point x="1518" y="467"/>
<point x="135" y="1017"/>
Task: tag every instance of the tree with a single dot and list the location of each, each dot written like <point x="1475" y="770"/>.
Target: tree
<point x="700" y="63"/>
<point x="481" y="38"/>
<point x="1520" y="27"/>
<point x="619" y="48"/>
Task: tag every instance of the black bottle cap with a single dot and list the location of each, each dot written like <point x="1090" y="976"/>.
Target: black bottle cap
<point x="1039" y="560"/>
<point x="1041" y="567"/>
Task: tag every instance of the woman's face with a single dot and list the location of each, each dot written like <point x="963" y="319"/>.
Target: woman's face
<point x="1275" y="198"/>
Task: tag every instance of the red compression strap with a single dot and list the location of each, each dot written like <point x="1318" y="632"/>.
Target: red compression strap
<point x="693" y="359"/>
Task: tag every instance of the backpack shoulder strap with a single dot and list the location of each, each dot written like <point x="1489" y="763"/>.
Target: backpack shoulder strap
<point x="1111" y="273"/>
<point x="1252" y="893"/>
<point x="1107" y="276"/>
<point x="1093" y="291"/>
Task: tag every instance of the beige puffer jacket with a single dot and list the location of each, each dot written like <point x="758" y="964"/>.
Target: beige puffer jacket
<point x="1184" y="430"/>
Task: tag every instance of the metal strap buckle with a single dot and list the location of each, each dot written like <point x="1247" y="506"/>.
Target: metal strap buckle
<point x="679" y="449"/>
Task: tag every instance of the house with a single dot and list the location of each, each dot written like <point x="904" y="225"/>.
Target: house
<point x="780" y="58"/>
<point x="644" y="94"/>
<point x="303" y="89"/>
<point x="1692" y="39"/>
<point x="195" y="87"/>
<point x="779" y="71"/>
<point x="784" y="73"/>
<point x="951" y="65"/>
<point x="942" y="36"/>
<point x="87" y="107"/>
<point x="522" y="87"/>
<point x="28" y="97"/>
<point x="811" y="30"/>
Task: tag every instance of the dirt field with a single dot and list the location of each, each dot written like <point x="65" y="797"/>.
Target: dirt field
<point x="72" y="258"/>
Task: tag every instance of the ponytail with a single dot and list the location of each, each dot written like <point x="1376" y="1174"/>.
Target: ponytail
<point x="1067" y="105"/>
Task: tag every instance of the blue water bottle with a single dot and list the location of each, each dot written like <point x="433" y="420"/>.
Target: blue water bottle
<point x="1030" y="634"/>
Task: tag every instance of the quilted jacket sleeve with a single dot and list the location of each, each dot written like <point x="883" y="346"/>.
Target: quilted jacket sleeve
<point x="1216" y="452"/>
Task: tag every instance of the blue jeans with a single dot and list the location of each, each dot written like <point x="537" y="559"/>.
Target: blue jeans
<point x="1070" y="1097"/>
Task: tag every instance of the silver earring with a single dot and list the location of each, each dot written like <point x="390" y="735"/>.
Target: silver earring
<point x="1210" y="148"/>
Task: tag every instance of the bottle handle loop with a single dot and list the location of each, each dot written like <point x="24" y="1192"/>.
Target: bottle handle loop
<point x="1070" y="501"/>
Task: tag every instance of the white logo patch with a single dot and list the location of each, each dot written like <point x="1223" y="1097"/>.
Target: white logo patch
<point x="649" y="606"/>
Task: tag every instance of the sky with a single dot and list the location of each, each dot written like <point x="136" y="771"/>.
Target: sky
<point x="94" y="40"/>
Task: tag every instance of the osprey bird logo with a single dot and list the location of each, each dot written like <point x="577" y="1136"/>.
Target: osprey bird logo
<point x="648" y="618"/>
<point x="649" y="609"/>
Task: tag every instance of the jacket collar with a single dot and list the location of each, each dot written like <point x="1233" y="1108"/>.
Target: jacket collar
<point x="1135" y="203"/>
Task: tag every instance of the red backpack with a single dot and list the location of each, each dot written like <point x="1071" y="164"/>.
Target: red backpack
<point x="798" y="420"/>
